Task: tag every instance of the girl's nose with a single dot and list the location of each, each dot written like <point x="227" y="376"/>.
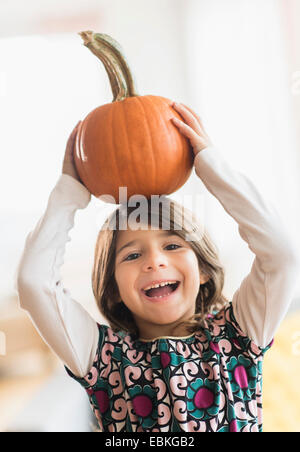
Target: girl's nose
<point x="153" y="267"/>
<point x="154" y="261"/>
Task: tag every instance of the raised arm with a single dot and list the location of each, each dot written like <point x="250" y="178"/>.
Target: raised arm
<point x="263" y="298"/>
<point x="63" y="323"/>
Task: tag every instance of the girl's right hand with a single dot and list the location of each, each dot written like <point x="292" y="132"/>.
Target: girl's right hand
<point x="68" y="163"/>
<point x="191" y="127"/>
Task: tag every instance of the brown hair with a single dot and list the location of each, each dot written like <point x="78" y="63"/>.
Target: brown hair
<point x="182" y="222"/>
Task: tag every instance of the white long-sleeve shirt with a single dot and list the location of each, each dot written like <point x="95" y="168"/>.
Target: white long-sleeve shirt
<point x="259" y="304"/>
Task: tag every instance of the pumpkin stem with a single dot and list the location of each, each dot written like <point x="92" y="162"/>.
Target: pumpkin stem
<point x="111" y="54"/>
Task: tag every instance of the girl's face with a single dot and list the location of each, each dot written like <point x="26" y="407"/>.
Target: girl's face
<point x="146" y="256"/>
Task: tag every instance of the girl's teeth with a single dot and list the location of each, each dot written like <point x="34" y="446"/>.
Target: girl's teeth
<point x="159" y="285"/>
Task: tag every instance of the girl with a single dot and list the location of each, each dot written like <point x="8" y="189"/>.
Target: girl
<point x="190" y="361"/>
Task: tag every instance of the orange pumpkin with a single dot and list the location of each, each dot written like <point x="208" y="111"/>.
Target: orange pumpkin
<point x="130" y="142"/>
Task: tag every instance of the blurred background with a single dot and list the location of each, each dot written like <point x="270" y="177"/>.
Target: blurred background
<point x="236" y="63"/>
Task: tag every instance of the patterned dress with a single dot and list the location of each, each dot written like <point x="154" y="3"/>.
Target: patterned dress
<point x="210" y="381"/>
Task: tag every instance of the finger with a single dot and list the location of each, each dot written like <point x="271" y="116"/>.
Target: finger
<point x="185" y="110"/>
<point x="188" y="131"/>
<point x="183" y="107"/>
<point x="189" y="118"/>
<point x="195" y="114"/>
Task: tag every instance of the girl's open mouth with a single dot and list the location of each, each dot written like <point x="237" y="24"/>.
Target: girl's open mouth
<point x="161" y="293"/>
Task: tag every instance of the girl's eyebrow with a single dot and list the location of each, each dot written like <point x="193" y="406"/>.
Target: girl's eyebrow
<point x="133" y="242"/>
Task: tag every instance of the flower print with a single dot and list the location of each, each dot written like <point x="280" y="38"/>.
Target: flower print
<point x="132" y="374"/>
<point x="233" y="426"/>
<point x="164" y="413"/>
<point x="100" y="397"/>
<point x="144" y="404"/>
<point x="134" y="356"/>
<point x="183" y="350"/>
<point x="179" y="410"/>
<point x="102" y="400"/>
<point x="99" y="419"/>
<point x="209" y="382"/>
<point x="215" y="347"/>
<point x="167" y="362"/>
<point x="236" y="344"/>
<point x="242" y="376"/>
<point x="165" y="359"/>
<point x="119" y="410"/>
<point x="190" y="370"/>
<point x="203" y="398"/>
<point x="92" y="377"/>
<point x="170" y="358"/>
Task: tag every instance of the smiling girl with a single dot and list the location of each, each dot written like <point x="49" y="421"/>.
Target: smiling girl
<point x="176" y="355"/>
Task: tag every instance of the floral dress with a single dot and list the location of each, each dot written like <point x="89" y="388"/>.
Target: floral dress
<point x="210" y="381"/>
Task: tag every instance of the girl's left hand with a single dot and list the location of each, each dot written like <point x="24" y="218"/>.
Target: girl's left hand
<point x="191" y="128"/>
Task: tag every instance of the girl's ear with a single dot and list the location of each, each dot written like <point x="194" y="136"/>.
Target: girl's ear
<point x="204" y="278"/>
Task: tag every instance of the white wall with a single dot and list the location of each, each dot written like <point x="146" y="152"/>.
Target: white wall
<point x="240" y="83"/>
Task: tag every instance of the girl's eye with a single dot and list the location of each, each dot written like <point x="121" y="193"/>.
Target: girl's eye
<point x="135" y="254"/>
<point x="173" y="244"/>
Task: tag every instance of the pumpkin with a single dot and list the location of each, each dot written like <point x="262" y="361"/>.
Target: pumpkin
<point x="130" y="142"/>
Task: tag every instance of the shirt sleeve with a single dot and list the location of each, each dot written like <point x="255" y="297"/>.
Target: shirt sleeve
<point x="264" y="296"/>
<point x="63" y="323"/>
